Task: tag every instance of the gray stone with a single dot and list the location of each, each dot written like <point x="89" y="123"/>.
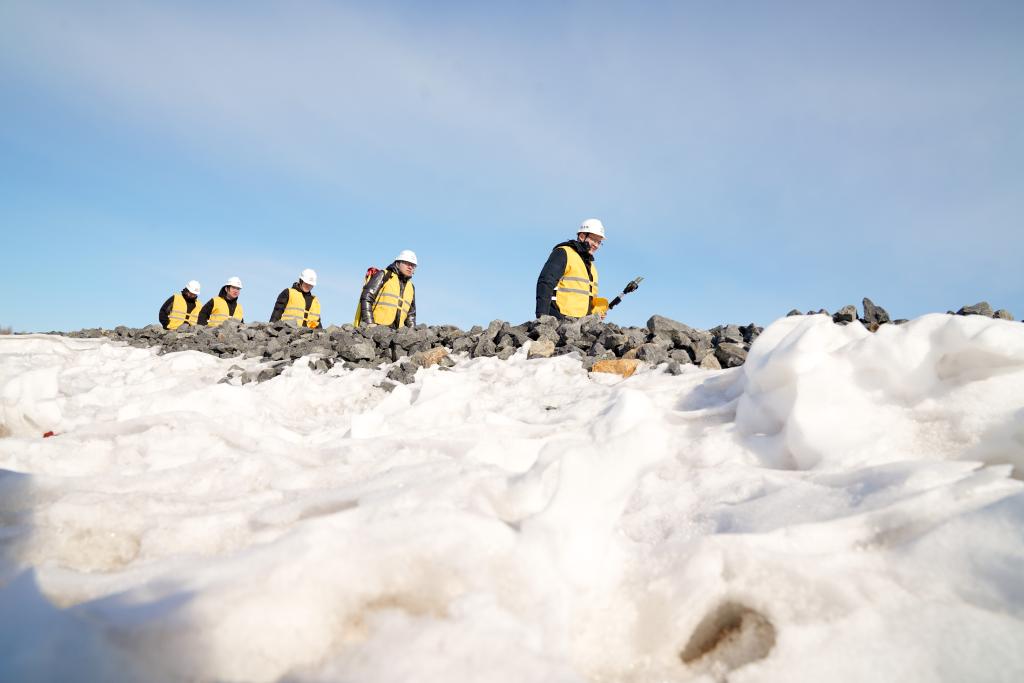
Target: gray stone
<point x="730" y="355"/>
<point x="403" y="372"/>
<point x="846" y="314"/>
<point x="658" y="325"/>
<point x="613" y="340"/>
<point x="352" y="350"/>
<point x="652" y="353"/>
<point x="569" y="330"/>
<point x="980" y="308"/>
<point x="674" y="368"/>
<point x="1003" y="314"/>
<point x="463" y="344"/>
<point x="728" y="333"/>
<point x="680" y="356"/>
<point x="268" y="374"/>
<point x="484" y="348"/>
<point x="873" y="313"/>
<point x="793" y="312"/>
<point x="495" y="328"/>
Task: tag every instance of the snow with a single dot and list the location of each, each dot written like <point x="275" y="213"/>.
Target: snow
<point x="847" y="506"/>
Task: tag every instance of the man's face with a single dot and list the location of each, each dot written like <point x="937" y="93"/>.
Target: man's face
<point x="232" y="292"/>
<point x="406" y="268"/>
<point x="190" y="296"/>
<point x="305" y="286"/>
<point x="592" y="241"/>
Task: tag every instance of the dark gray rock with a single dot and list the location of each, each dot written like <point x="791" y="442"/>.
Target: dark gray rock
<point x="730" y="355"/>
<point x="484" y="347"/>
<point x="352" y="350"/>
<point x="846" y="314"/>
<point x="680" y="356"/>
<point x="873" y="313"/>
<point x="403" y="372"/>
<point x="751" y="332"/>
<point x="980" y="308"/>
<point x="728" y="333"/>
<point x="652" y="353"/>
<point x="659" y="325"/>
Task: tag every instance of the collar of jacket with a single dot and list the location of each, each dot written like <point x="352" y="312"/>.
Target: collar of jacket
<point x="394" y="269"/>
<point x="582" y="249"/>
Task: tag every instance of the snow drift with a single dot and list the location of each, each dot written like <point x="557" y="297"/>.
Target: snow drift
<point x="845" y="506"/>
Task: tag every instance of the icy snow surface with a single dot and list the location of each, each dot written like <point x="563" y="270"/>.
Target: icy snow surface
<point x="845" y="507"/>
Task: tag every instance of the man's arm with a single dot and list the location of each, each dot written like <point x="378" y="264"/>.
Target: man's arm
<point x="279" y="305"/>
<point x="165" y="312"/>
<point x="204" y="313"/>
<point x="368" y="296"/>
<point x="549" y="276"/>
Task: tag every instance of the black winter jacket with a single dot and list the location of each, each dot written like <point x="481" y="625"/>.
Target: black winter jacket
<point x="282" y="301"/>
<point x="204" y="315"/>
<point x="165" y="310"/>
<point x="553" y="271"/>
<point x="372" y="288"/>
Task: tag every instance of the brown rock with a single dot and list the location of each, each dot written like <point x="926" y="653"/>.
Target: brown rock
<point x="709" y="362"/>
<point x="425" y="359"/>
<point x="631" y="354"/>
<point x="542" y="348"/>
<point x="621" y="366"/>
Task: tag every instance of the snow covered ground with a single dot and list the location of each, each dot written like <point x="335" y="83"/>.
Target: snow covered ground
<point x="845" y="507"/>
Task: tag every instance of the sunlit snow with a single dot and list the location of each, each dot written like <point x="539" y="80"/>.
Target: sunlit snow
<point x="847" y="506"/>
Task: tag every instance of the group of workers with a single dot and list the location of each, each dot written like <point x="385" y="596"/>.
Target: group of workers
<point x="566" y="288"/>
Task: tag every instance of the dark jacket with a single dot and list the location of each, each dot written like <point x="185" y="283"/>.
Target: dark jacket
<point x="165" y="310"/>
<point x="552" y="272"/>
<point x="372" y="288"/>
<point x="282" y="301"/>
<point x="204" y="315"/>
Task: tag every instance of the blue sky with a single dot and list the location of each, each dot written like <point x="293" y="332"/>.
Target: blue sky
<point x="746" y="157"/>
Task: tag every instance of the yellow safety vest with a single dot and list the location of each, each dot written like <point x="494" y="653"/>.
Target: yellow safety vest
<point x="180" y="314"/>
<point x="390" y="302"/>
<point x="220" y="312"/>
<point x="296" y="309"/>
<point x="575" y="292"/>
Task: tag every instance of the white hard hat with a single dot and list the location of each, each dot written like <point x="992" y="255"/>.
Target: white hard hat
<point x="407" y="255"/>
<point x="193" y="286"/>
<point x="593" y="226"/>
<point x="308" y="276"/>
<point x="233" y="282"/>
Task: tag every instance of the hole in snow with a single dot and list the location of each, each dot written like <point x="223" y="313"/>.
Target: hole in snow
<point x="730" y="636"/>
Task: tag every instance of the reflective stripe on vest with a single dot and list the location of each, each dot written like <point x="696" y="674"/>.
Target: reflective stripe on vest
<point x="180" y="314"/>
<point x="392" y="302"/>
<point x="220" y="312"/>
<point x="296" y="309"/>
<point x="575" y="292"/>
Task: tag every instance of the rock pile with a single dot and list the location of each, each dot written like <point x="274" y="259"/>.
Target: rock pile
<point x="281" y="343"/>
<point x="875" y="316"/>
<point x="663" y="340"/>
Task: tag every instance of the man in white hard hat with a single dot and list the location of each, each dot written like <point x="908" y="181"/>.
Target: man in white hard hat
<point x="298" y="302"/>
<point x="223" y="306"/>
<point x="181" y="308"/>
<point x="388" y="296"/>
<point x="567" y="284"/>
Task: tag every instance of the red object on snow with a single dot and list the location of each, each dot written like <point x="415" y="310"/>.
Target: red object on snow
<point x="48" y="434"/>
